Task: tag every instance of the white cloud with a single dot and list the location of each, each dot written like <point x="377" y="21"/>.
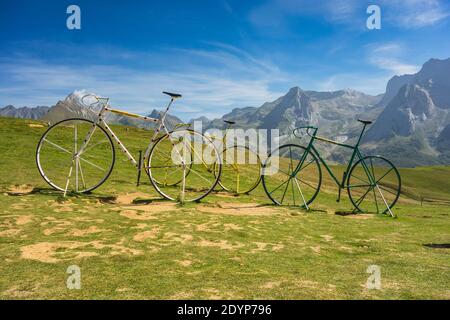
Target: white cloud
<point x="395" y="66"/>
<point x="222" y="79"/>
<point x="412" y="14"/>
<point x="390" y="56"/>
<point x="272" y="15"/>
<point x="367" y="83"/>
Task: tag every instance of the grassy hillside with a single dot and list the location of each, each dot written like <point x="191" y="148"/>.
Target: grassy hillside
<point x="131" y="244"/>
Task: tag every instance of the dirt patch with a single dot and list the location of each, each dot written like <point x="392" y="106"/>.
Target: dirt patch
<point x="223" y="194"/>
<point x="9" y="232"/>
<point x="327" y="237"/>
<point x="215" y="294"/>
<point x="315" y="249"/>
<point x="53" y="252"/>
<point x="181" y="238"/>
<point x="61" y="206"/>
<point x="20" y="291"/>
<point x="145" y="212"/>
<point x="251" y="209"/>
<point x="232" y="226"/>
<point x="149" y="234"/>
<point x="35" y="125"/>
<point x="20" y="189"/>
<point x="181" y="296"/>
<point x="137" y="215"/>
<point x="21" y="220"/>
<point x="20" y="206"/>
<point x="208" y="226"/>
<point x="86" y="219"/>
<point x="354" y="215"/>
<point x="262" y="246"/>
<point x="140" y="226"/>
<point x="271" y="285"/>
<point x="361" y="216"/>
<point x="222" y="244"/>
<point x="184" y="263"/>
<point x="129" y="198"/>
<point x="56" y="226"/>
<point x="84" y="232"/>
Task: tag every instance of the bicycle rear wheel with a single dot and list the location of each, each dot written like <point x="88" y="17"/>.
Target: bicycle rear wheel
<point x="292" y="176"/>
<point x="60" y="164"/>
<point x="374" y="185"/>
<point x="241" y="170"/>
<point x="181" y="166"/>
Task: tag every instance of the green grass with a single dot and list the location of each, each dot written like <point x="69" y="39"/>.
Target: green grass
<point x="161" y="251"/>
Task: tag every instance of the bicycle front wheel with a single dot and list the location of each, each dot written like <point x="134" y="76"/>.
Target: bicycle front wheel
<point x="60" y="162"/>
<point x="374" y="185"/>
<point x="181" y="166"/>
<point x="292" y="176"/>
<point x="241" y="170"/>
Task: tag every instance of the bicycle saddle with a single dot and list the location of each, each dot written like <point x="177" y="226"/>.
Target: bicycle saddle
<point x="365" y="121"/>
<point x="229" y="122"/>
<point x="172" y="95"/>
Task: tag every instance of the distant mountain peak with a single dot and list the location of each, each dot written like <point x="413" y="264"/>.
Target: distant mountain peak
<point x="23" y="112"/>
<point x="295" y="90"/>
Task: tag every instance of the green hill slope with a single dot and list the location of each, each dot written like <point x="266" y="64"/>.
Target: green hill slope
<point x="131" y="245"/>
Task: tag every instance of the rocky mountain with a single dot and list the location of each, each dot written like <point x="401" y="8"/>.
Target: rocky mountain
<point x="23" y="112"/>
<point x="335" y="113"/>
<point x="414" y="126"/>
<point x="412" y="119"/>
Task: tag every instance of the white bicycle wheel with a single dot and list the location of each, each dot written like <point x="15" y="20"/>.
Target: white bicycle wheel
<point x="60" y="164"/>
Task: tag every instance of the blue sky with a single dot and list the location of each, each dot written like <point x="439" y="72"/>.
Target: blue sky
<point x="219" y="54"/>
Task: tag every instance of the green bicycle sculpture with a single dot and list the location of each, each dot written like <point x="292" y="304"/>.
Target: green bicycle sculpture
<point x="373" y="183"/>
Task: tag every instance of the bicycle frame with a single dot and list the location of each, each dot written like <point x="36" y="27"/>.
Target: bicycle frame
<point x="100" y="120"/>
<point x="355" y="154"/>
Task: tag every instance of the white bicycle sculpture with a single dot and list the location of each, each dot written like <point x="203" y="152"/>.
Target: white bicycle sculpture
<point x="78" y="155"/>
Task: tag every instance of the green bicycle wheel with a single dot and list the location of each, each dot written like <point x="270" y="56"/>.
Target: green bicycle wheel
<point x="374" y="185"/>
<point x="292" y="176"/>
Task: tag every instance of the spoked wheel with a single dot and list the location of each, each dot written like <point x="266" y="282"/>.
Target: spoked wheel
<point x="181" y="166"/>
<point x="374" y="185"/>
<point x="67" y="168"/>
<point x="241" y="170"/>
<point x="292" y="176"/>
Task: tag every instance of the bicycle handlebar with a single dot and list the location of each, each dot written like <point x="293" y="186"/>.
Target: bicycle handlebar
<point x="97" y="98"/>
<point x="307" y="130"/>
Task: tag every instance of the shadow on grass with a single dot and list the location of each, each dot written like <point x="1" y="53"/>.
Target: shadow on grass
<point x="347" y="213"/>
<point x="437" y="245"/>
<point x="103" y="198"/>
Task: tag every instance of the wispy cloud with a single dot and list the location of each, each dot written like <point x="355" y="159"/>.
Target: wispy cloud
<point x="274" y="13"/>
<point x="412" y="14"/>
<point x="362" y="82"/>
<point x="389" y="56"/>
<point x="224" y="77"/>
<point x="394" y="65"/>
<point x="350" y="13"/>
